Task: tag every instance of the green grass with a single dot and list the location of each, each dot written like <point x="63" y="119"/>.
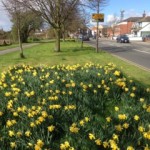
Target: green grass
<point x="8" y="47"/>
<point x="12" y="46"/>
<point x="71" y="53"/>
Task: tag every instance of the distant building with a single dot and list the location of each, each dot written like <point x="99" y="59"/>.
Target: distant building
<point x="94" y="30"/>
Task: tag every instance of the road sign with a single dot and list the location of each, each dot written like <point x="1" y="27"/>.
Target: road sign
<point x="98" y="17"/>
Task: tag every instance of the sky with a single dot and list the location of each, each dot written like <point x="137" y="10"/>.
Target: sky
<point x="132" y="8"/>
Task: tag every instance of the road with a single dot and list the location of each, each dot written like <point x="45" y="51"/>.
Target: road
<point x="137" y="53"/>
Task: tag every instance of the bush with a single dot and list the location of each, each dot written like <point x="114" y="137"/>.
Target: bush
<point x="76" y="107"/>
<point x="33" y="39"/>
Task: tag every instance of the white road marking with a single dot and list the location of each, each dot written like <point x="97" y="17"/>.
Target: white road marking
<point x="141" y="51"/>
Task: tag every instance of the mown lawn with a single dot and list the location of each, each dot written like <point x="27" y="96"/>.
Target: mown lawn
<point x="71" y="53"/>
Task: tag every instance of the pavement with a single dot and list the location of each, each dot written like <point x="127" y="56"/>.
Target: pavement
<point x="3" y="52"/>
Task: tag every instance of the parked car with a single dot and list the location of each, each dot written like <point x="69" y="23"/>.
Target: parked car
<point x="84" y="37"/>
<point x="122" y="39"/>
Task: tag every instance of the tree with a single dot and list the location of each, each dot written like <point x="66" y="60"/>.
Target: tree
<point x="29" y="22"/>
<point x="112" y="23"/>
<point x="55" y="13"/>
<point x="14" y="8"/>
<point x="77" y="20"/>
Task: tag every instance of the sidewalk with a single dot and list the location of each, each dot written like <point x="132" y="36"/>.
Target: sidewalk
<point x="3" y="52"/>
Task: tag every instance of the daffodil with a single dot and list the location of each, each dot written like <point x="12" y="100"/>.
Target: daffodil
<point x="40" y="143"/>
<point x="136" y="117"/>
<point x="11" y="133"/>
<point x="125" y="125"/>
<point x="132" y="95"/>
<point x="51" y="128"/>
<point x="116" y="108"/>
<point x="105" y="144"/>
<point x="118" y="127"/>
<point x="141" y="128"/>
<point x="122" y="116"/>
<point x="13" y="145"/>
<point x="91" y="136"/>
<point x="115" y="137"/>
<point x="108" y="119"/>
<point x="98" y="142"/>
<point x="1" y="113"/>
<point x="130" y="148"/>
<point x="28" y="133"/>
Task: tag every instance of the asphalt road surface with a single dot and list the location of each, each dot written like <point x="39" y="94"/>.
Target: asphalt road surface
<point x="137" y="53"/>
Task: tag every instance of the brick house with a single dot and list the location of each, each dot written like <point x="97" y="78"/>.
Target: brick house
<point x="94" y="30"/>
<point x="137" y="26"/>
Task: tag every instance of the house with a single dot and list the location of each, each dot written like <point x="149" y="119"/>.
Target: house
<point x="94" y="30"/>
<point x="135" y="26"/>
<point x="141" y="27"/>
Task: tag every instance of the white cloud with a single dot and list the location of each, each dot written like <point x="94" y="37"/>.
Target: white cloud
<point x="112" y="18"/>
<point x="5" y="23"/>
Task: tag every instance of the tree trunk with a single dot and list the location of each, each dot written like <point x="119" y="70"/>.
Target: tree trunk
<point x="20" y="44"/>
<point x="57" y="45"/>
<point x="24" y="37"/>
<point x="63" y="34"/>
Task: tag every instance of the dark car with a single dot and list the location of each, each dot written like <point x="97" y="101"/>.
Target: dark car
<point x="84" y="37"/>
<point x="122" y="39"/>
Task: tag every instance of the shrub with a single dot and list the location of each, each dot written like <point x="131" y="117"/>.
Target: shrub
<point x="76" y="107"/>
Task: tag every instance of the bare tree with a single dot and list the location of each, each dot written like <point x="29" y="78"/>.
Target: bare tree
<point x="93" y="4"/>
<point x="113" y="23"/>
<point x="77" y="20"/>
<point x="55" y="13"/>
<point x="14" y="8"/>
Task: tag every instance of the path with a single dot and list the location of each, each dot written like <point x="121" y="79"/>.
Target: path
<point x="3" y="52"/>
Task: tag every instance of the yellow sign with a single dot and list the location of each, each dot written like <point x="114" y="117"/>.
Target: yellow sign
<point x="98" y="17"/>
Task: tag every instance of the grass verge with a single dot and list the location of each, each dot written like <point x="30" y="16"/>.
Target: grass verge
<point x="72" y="53"/>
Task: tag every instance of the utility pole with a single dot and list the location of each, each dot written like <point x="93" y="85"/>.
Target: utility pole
<point x="122" y="15"/>
<point x="97" y="27"/>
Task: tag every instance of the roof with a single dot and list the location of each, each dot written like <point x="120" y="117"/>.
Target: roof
<point x="132" y="19"/>
<point x="137" y="19"/>
<point x="145" y="19"/>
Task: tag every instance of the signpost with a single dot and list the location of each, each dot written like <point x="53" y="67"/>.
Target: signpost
<point x="97" y="17"/>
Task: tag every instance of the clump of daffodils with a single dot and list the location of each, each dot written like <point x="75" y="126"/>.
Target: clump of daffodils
<point x="72" y="107"/>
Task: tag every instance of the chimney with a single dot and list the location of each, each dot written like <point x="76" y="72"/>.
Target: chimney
<point x="144" y="14"/>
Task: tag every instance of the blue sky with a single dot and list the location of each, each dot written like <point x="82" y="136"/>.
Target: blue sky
<point x="132" y="8"/>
